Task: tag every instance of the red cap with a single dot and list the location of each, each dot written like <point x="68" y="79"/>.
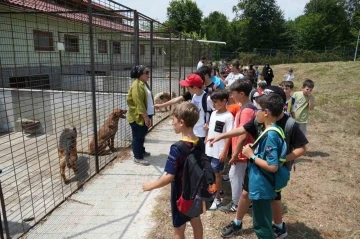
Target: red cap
<point x="192" y="80"/>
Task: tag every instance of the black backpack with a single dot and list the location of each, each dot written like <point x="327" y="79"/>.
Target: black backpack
<point x="198" y="183"/>
<point x="205" y="108"/>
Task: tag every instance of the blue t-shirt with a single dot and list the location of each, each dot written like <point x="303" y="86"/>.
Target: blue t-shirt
<point x="271" y="147"/>
<point x="217" y="81"/>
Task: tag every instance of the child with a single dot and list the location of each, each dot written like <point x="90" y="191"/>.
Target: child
<point x="289" y="109"/>
<point x="304" y="101"/>
<point x="194" y="85"/>
<point x="258" y="91"/>
<point x="289" y="76"/>
<point x="240" y="92"/>
<point x="233" y="107"/>
<point x="221" y="121"/>
<point x="264" y="162"/>
<point x="184" y="118"/>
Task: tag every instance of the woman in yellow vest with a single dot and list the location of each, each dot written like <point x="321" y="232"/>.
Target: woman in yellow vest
<point x="141" y="109"/>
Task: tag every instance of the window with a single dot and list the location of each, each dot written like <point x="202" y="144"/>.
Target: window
<point x="132" y="49"/>
<point x="102" y="46"/>
<point x="142" y="50"/>
<point x="71" y="43"/>
<point x="30" y="82"/>
<point x="43" y="41"/>
<point x="116" y="47"/>
<point x="160" y="51"/>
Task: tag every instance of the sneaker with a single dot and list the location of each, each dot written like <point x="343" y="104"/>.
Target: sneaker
<point x="142" y="162"/>
<point x="231" y="230"/>
<point x="215" y="205"/>
<point x="146" y="154"/>
<point x="231" y="207"/>
<point x="279" y="233"/>
<point x="222" y="194"/>
<point x="225" y="178"/>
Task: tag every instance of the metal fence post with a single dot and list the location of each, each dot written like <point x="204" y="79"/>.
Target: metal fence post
<point x="179" y="49"/>
<point x="136" y="37"/>
<point x="185" y="56"/>
<point x="3" y="209"/>
<point x="170" y="60"/>
<point x="151" y="51"/>
<point x="93" y="82"/>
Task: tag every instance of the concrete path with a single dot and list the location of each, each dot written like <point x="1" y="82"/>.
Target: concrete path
<point x="112" y="204"/>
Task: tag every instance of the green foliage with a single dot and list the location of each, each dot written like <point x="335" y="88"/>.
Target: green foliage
<point x="184" y="16"/>
<point x="264" y="24"/>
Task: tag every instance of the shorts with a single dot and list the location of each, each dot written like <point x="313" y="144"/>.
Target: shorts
<point x="178" y="219"/>
<point x="216" y="165"/>
<point x="246" y="185"/>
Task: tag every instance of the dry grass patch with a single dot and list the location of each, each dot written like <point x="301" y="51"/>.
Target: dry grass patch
<point x="323" y="197"/>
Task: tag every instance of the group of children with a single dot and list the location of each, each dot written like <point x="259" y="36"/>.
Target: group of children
<point x="233" y="118"/>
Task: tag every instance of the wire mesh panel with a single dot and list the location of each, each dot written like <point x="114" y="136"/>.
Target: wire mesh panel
<point x="64" y="77"/>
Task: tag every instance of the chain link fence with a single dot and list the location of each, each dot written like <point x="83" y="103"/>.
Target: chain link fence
<point x="66" y="64"/>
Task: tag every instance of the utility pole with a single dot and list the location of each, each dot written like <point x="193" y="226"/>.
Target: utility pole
<point x="357" y="44"/>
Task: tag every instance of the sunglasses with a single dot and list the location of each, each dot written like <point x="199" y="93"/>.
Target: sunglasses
<point x="147" y="72"/>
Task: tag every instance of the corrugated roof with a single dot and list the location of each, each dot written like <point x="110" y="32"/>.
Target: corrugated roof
<point x="39" y="5"/>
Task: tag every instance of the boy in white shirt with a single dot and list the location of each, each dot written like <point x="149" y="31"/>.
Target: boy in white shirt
<point x="221" y="121"/>
<point x="195" y="85"/>
<point x="289" y="76"/>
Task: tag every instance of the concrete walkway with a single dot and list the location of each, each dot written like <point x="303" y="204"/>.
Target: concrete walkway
<point x="112" y="204"/>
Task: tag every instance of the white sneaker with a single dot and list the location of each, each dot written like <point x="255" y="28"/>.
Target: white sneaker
<point x="215" y="205"/>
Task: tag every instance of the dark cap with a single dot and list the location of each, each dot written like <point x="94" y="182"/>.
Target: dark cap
<point x="276" y="90"/>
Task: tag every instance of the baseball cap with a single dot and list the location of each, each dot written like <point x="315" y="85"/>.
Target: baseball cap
<point x="192" y="80"/>
<point x="276" y="90"/>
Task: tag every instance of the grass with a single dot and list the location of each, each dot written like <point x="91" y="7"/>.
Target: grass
<point x="322" y="199"/>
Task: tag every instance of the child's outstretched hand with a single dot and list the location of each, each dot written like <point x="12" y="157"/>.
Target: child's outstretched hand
<point x="248" y="151"/>
<point x="206" y="127"/>
<point x="147" y="186"/>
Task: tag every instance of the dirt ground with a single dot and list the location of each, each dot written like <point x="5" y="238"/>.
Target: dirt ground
<point x="322" y="199"/>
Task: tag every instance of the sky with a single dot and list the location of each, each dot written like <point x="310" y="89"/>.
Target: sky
<point x="156" y="9"/>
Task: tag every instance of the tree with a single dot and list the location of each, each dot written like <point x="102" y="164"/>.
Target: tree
<point x="216" y="27"/>
<point x="263" y="24"/>
<point x="324" y="24"/>
<point x="184" y="16"/>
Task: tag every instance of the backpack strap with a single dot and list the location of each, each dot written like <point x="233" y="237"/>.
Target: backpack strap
<point x="205" y="108"/>
<point x="184" y="149"/>
<point x="273" y="128"/>
<point x="252" y="93"/>
<point x="289" y="126"/>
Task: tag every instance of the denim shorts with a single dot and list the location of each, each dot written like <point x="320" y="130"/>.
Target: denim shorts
<point x="216" y="164"/>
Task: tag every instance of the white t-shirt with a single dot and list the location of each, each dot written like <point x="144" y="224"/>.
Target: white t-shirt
<point x="199" y="130"/>
<point x="231" y="78"/>
<point x="289" y="77"/>
<point x="200" y="64"/>
<point x="150" y="104"/>
<point x="219" y="123"/>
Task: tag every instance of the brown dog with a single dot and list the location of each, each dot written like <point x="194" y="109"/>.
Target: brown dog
<point x="164" y="97"/>
<point x="67" y="151"/>
<point x="106" y="133"/>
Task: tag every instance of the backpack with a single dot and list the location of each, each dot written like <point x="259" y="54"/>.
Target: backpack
<point x="205" y="108"/>
<point x="198" y="183"/>
<point x="282" y="175"/>
<point x="289" y="126"/>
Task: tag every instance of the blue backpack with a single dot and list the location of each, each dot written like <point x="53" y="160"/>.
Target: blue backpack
<point x="282" y="175"/>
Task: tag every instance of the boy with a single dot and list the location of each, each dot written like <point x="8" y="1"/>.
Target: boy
<point x="184" y="117"/>
<point x="194" y="84"/>
<point x="289" y="109"/>
<point x="258" y="91"/>
<point x="297" y="147"/>
<point x="221" y="121"/>
<point x="304" y="101"/>
<point x="240" y="91"/>
<point x="289" y="76"/>
<point x="264" y="162"/>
